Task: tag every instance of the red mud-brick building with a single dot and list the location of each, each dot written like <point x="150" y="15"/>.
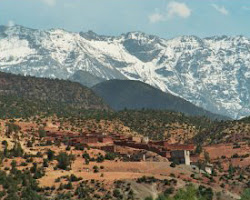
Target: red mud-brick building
<point x="108" y="140"/>
<point x="109" y="148"/>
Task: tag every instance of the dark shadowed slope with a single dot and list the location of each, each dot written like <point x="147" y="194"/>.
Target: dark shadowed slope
<point x="121" y="94"/>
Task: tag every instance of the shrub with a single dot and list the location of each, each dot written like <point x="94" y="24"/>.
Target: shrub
<point x="29" y="144"/>
<point x="64" y="160"/>
<point x="245" y="195"/>
<point x="173" y="165"/>
<point x="110" y="156"/>
<point x="68" y="186"/>
<point x="100" y="158"/>
<point x="96" y="169"/>
<point x="51" y="155"/>
<point x="45" y="163"/>
<point x="117" y="194"/>
<point x="73" y="178"/>
<point x="68" y="148"/>
<point x="149" y="198"/>
<point x="169" y="191"/>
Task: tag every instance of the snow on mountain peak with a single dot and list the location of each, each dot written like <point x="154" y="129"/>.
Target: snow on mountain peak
<point x="213" y="72"/>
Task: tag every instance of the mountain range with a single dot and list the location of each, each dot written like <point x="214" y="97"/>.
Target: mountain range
<point x="213" y="72"/>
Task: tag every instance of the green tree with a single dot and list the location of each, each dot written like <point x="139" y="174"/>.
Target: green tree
<point x="246" y="194"/>
<point x="17" y="150"/>
<point x="64" y="160"/>
<point x="207" y="157"/>
<point x="12" y="128"/>
<point x="29" y="194"/>
<point x="231" y="170"/>
<point x="149" y="198"/>
<point x="117" y="194"/>
<point x="42" y="133"/>
<point x="198" y="149"/>
<point x="51" y="155"/>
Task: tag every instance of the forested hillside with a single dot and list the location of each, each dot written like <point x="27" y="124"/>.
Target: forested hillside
<point x="24" y="96"/>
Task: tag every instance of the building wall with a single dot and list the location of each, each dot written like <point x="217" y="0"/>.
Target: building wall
<point x="208" y="169"/>
<point x="187" y="157"/>
<point x="110" y="148"/>
<point x="105" y="140"/>
<point x="135" y="139"/>
<point x="182" y="156"/>
<point x="145" y="140"/>
<point x="91" y="140"/>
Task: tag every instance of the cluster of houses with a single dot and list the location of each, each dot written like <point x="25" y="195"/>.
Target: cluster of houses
<point x="179" y="153"/>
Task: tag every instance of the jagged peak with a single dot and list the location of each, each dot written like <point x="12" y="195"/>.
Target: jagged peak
<point x="129" y="35"/>
<point x="139" y="35"/>
<point x="91" y="35"/>
<point x="16" y="28"/>
<point x="226" y="38"/>
<point x="188" y="38"/>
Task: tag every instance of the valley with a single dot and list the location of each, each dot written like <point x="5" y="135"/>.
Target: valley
<point x="162" y="113"/>
<point x="106" y="157"/>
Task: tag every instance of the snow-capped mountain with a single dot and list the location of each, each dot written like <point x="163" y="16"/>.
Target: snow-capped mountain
<point x="213" y="73"/>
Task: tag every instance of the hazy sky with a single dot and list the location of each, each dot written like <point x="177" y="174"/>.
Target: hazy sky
<point x="113" y="17"/>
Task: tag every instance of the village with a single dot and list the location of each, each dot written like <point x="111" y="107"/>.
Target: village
<point x="175" y="153"/>
<point x="115" y="155"/>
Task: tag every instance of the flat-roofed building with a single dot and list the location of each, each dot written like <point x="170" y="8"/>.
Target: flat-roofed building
<point x="180" y="156"/>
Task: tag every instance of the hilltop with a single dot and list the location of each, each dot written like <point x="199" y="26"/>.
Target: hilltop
<point x="136" y="95"/>
<point x="25" y="96"/>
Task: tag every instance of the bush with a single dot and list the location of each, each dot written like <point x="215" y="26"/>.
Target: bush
<point x="173" y="165"/>
<point x="149" y="198"/>
<point x="64" y="160"/>
<point x="206" y="193"/>
<point x="5" y="143"/>
<point x="169" y="191"/>
<point x="2" y="194"/>
<point x="41" y="133"/>
<point x="73" y="178"/>
<point x="24" y="164"/>
<point x="85" y="155"/>
<point x="245" y="195"/>
<point x="117" y="194"/>
<point x="110" y="156"/>
<point x="17" y="150"/>
<point x="57" y="180"/>
<point x="68" y="186"/>
<point x="100" y="158"/>
<point x="96" y="169"/>
<point x="68" y="148"/>
<point x="51" y="155"/>
<point x="29" y="144"/>
<point x="235" y="155"/>
<point x="45" y="163"/>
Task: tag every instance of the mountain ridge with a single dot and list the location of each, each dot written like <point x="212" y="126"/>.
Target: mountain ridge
<point x="136" y="95"/>
<point x="211" y="72"/>
<point x="85" y="78"/>
<point x="28" y="96"/>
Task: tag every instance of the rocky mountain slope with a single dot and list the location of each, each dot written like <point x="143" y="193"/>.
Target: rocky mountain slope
<point x="213" y="73"/>
<point x="85" y="78"/>
<point x="121" y="94"/>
